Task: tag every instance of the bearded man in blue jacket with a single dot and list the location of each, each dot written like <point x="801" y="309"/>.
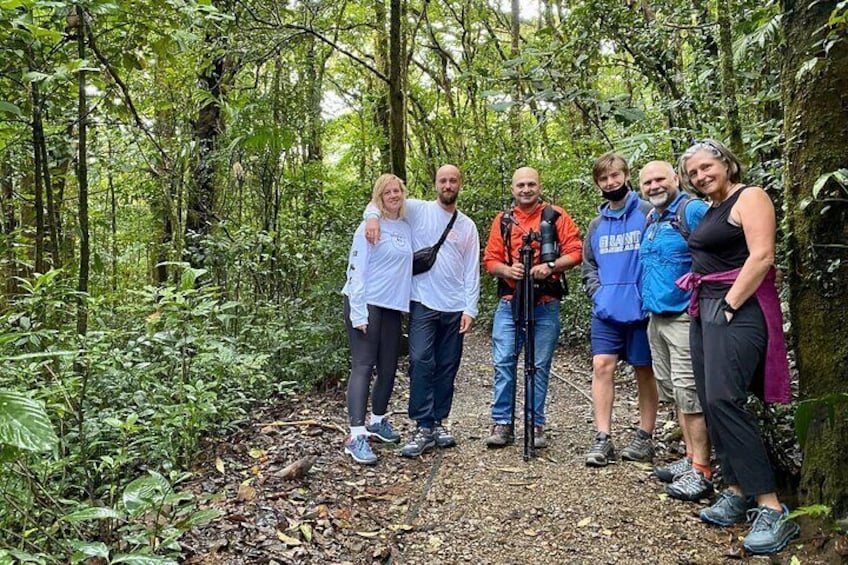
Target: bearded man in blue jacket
<point x="611" y="275"/>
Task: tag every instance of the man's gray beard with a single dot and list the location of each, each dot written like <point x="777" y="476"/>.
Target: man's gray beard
<point x="657" y="201"/>
<point x="448" y="199"/>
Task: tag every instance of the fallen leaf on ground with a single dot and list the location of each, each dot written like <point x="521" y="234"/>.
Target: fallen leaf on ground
<point x="219" y="464"/>
<point x="584" y="522"/>
<point x="511" y="469"/>
<point x="402" y="527"/>
<point x="369" y="534"/>
<point x="435" y="542"/>
<point x="246" y="493"/>
<point x="288" y="540"/>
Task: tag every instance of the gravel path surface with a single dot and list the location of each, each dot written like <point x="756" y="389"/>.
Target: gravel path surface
<point x="489" y="506"/>
<point x="467" y="504"/>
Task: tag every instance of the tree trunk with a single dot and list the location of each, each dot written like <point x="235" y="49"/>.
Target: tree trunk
<point x="381" y="104"/>
<point x="515" y="110"/>
<point x="397" y="102"/>
<point x="209" y="125"/>
<point x="816" y="111"/>
<point x="315" y="61"/>
<point x="37" y="140"/>
<point x="9" y="226"/>
<point x="113" y="218"/>
<point x="728" y="77"/>
<point x="165" y="210"/>
<point x="82" y="181"/>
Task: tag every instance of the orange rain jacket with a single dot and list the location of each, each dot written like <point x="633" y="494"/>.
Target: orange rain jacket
<point x="567" y="234"/>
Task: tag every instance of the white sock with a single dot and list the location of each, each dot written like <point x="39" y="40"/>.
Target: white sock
<point x="357" y="431"/>
<point x="375" y="419"/>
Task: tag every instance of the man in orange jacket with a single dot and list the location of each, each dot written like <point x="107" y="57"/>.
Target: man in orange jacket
<point x="502" y="259"/>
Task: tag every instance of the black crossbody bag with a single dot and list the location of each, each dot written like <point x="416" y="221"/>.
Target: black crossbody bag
<point x="424" y="259"/>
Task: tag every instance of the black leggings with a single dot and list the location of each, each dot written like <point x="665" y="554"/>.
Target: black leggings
<point x="380" y="347"/>
<point x="725" y="359"/>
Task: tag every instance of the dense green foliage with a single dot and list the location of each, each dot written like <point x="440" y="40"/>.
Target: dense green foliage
<point x="231" y="147"/>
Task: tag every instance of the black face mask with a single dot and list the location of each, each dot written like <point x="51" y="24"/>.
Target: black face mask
<point x="617" y="194"/>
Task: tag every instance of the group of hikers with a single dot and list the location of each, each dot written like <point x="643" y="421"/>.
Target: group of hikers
<point x="683" y="289"/>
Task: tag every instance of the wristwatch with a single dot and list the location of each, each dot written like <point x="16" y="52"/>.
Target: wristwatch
<point x="725" y="305"/>
<point x="551" y="265"/>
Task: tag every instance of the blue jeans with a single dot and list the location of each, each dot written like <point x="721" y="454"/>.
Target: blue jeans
<point x="503" y="353"/>
<point x="435" y="349"/>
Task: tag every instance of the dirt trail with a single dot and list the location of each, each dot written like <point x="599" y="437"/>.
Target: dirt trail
<point x="461" y="505"/>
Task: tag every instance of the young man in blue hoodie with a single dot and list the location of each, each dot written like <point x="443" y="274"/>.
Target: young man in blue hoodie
<point x="611" y="275"/>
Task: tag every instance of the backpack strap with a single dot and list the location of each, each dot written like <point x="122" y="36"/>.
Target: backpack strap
<point x="506" y="233"/>
<point x="554" y="288"/>
<point x="680" y="223"/>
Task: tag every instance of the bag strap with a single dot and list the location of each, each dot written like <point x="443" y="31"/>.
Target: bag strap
<point x="678" y="222"/>
<point x="445" y="233"/>
<point x="549" y="214"/>
<point x="506" y="233"/>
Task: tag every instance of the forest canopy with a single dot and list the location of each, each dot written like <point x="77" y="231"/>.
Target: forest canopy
<point x="181" y="179"/>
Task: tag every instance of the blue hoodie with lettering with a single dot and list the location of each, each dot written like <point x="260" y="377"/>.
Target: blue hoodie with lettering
<point x="611" y="271"/>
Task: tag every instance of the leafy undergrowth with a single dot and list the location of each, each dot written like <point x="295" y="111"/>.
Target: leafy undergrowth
<point x="96" y="433"/>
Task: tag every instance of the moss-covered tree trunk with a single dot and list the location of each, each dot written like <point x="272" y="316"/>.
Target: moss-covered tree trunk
<point x="728" y="76"/>
<point x="381" y="102"/>
<point x="816" y="126"/>
<point x="397" y="85"/>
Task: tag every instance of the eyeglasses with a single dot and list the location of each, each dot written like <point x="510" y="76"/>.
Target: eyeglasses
<point x="699" y="144"/>
<point x="707" y="142"/>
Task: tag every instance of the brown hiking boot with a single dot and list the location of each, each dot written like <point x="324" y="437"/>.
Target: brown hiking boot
<point x="539" y="439"/>
<point x="502" y="435"/>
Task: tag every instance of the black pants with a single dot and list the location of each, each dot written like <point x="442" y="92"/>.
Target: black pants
<point x="379" y="346"/>
<point x="725" y="359"/>
<point x="435" y="349"/>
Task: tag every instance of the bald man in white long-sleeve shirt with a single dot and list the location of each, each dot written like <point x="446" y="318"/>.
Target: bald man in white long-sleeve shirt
<point x="442" y="309"/>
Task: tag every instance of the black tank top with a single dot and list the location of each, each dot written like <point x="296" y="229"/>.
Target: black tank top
<point x="717" y="245"/>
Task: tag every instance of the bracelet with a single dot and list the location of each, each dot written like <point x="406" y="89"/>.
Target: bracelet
<point x="727" y="307"/>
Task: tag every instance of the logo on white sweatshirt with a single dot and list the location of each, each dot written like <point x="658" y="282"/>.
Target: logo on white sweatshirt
<point x="619" y="243"/>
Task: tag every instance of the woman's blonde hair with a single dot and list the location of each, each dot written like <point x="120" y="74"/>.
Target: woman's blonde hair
<point x="377" y="194"/>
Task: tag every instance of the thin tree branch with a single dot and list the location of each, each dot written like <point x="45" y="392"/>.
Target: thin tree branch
<point x="126" y="95"/>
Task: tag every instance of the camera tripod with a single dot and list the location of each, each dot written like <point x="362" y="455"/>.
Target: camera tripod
<point x="524" y="318"/>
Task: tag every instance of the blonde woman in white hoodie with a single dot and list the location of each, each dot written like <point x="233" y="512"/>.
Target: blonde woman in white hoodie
<point x="379" y="278"/>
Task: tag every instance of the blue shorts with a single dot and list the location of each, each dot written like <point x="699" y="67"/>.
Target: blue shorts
<point x="628" y="341"/>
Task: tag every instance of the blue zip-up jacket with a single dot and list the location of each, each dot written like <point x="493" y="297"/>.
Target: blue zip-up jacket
<point x="611" y="269"/>
<point x="665" y="257"/>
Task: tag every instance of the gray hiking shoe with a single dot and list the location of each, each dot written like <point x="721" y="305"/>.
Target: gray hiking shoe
<point x="358" y="448"/>
<point x="383" y="432"/>
<point x="728" y="509"/>
<point x="422" y="440"/>
<point x="770" y="530"/>
<point x="540" y="441"/>
<point x="691" y="485"/>
<point x="602" y="452"/>
<point x="502" y="435"/>
<point x="442" y="436"/>
<point x="641" y="448"/>
<point x="668" y="473"/>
